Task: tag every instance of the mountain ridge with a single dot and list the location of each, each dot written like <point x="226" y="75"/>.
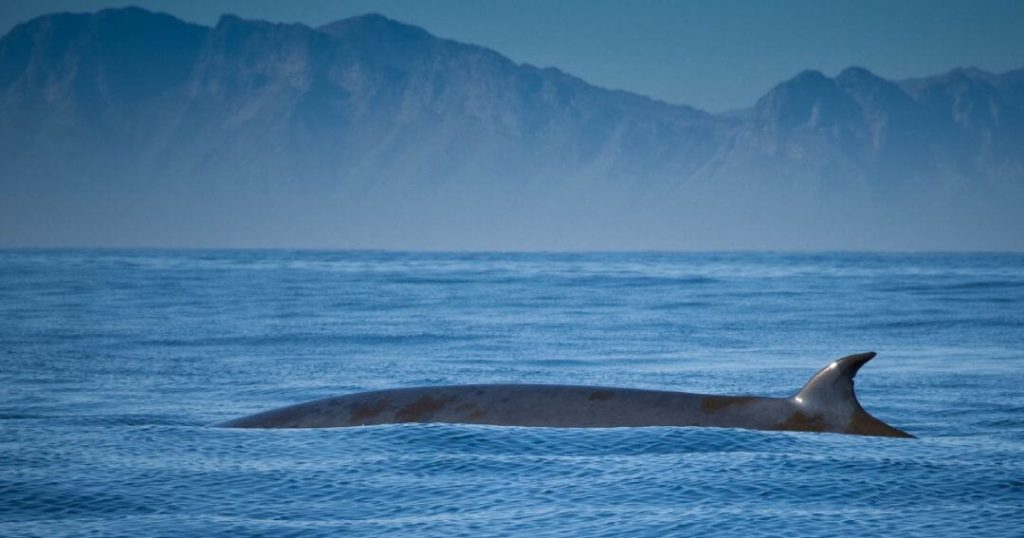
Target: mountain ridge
<point x="382" y="134"/>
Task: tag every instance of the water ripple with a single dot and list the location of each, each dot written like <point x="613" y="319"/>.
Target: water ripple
<point x="114" y="363"/>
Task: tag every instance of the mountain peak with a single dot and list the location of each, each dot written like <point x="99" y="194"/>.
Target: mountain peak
<point x="229" y="20"/>
<point x="871" y="90"/>
<point x="810" y="99"/>
<point x="809" y="76"/>
<point x="127" y="11"/>
<point x="118" y="16"/>
<point x="971" y="72"/>
<point x="856" y="74"/>
<point x="806" y="83"/>
<point x="374" y="23"/>
<point x="369" y="18"/>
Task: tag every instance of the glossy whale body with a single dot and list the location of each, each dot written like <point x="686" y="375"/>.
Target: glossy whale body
<point x="827" y="403"/>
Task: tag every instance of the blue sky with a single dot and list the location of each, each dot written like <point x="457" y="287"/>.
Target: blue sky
<point x="715" y="55"/>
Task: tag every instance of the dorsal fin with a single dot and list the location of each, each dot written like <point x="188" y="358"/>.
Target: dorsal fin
<point x="831" y="391"/>
<point x="833" y="384"/>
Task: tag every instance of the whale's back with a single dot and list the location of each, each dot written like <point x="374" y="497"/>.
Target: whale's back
<point x="558" y="406"/>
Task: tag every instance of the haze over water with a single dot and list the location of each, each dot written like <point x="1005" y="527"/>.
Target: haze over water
<point x="114" y="363"/>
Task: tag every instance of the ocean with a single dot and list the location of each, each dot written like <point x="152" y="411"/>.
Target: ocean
<point x="115" y="363"/>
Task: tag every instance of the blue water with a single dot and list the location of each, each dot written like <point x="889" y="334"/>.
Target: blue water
<point x="114" y="363"/>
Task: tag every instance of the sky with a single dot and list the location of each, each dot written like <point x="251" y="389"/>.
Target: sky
<point x="714" y="55"/>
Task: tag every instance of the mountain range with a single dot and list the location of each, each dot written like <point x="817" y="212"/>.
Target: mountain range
<point x="126" y="127"/>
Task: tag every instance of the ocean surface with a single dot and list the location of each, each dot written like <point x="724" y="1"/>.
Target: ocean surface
<point x="114" y="364"/>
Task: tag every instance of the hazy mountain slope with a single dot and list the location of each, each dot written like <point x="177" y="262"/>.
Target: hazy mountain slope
<point x="366" y="97"/>
<point x="130" y="127"/>
<point x="87" y="89"/>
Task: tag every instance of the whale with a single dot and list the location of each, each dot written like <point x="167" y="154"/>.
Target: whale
<point x="826" y="403"/>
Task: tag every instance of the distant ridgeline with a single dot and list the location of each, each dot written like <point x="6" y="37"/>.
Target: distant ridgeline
<point x="126" y="127"/>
